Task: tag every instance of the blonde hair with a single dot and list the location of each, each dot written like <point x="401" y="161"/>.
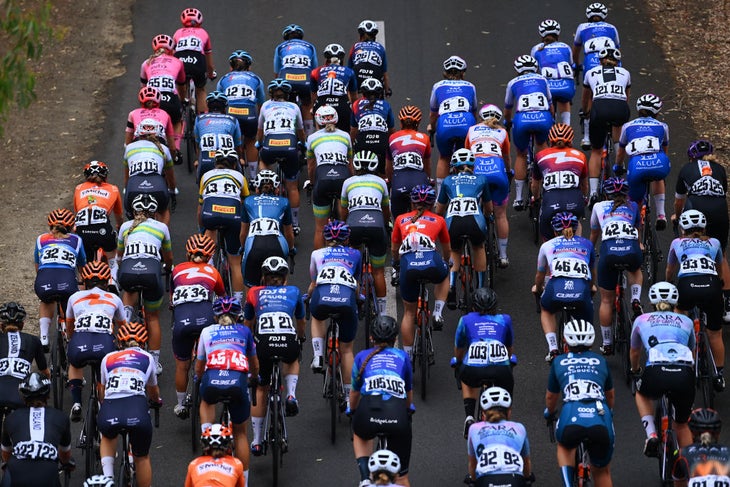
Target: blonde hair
<point x="492" y="122"/>
<point x="383" y="478"/>
<point x="664" y="306"/>
<point x="330" y="127"/>
<point x="706" y="438"/>
<point x="494" y="415"/>
<point x="155" y="54"/>
<point x="225" y="319"/>
<point x="568" y="233"/>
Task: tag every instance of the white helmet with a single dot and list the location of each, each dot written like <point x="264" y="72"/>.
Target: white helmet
<point x="579" y="332"/>
<point x="371" y="85"/>
<point x="490" y="111"/>
<point x="525" y="64"/>
<point x="596" y="9"/>
<point x="325" y="115"/>
<point x="99" y="481"/>
<point x="149" y="126"/>
<point x="548" y="27"/>
<point x="650" y="103"/>
<point x="267" y="175"/>
<point x="384" y="460"/>
<point x="367" y="27"/>
<point x="663" y="292"/>
<point x="455" y="62"/>
<point x="334" y="50"/>
<point x="692" y="219"/>
<point x="495" y="397"/>
<point x="275" y="265"/>
<point x="365" y="160"/>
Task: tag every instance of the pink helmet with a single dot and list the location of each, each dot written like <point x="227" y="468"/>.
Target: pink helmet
<point x="191" y="17"/>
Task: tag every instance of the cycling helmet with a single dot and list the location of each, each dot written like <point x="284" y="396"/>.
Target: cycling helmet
<point x="279" y="84"/>
<point x="144" y="202"/>
<point x="147" y="94"/>
<point x="242" y="55"/>
<point x="561" y="132"/>
<point x="292" y="29"/>
<point x="191" y="17"/>
<point x="149" y="126"/>
<point x="649" y="102"/>
<point x="549" y="27"/>
<point x="200" y="244"/>
<point x="216" y="98"/>
<point x="490" y="111"/>
<point x="229" y="155"/>
<point x="692" y="219"/>
<point x="336" y="230"/>
<point x="462" y="157"/>
<point x="96" y="168"/>
<point x="367" y="27"/>
<point x="266" y="175"/>
<point x="484" y="299"/>
<point x="133" y="331"/>
<point x="217" y="436"/>
<point x="276" y="266"/>
<point x="423" y="194"/>
<point x="226" y="305"/>
<point x="596" y="10"/>
<point x="163" y="41"/>
<point x="61" y="217"/>
<point x="371" y="85"/>
<point x="705" y="419"/>
<point x="12" y="312"/>
<point x="495" y="397"/>
<point x="579" y="333"/>
<point x="365" y="160"/>
<point x="334" y="50"/>
<point x="610" y="53"/>
<point x="99" y="481"/>
<point x="563" y="220"/>
<point x="326" y="115"/>
<point x="410" y="114"/>
<point x="615" y="186"/>
<point x="96" y="270"/>
<point x="699" y="149"/>
<point x="384" y="460"/>
<point x="455" y="62"/>
<point x="525" y="64"/>
<point x="663" y="292"/>
<point x="35" y="386"/>
<point x="385" y="329"/>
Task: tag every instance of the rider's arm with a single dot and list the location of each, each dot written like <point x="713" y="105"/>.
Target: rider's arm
<point x="289" y="235"/>
<point x="671" y="265"/>
<point x="587" y="99"/>
<point x="472" y="466"/>
<point x="539" y="281"/>
<point x="440" y="209"/>
<point x="551" y="401"/>
<point x="610" y="397"/>
<point x="153" y="392"/>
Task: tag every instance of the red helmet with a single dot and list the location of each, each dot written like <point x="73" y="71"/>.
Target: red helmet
<point x="191" y="17"/>
<point x="163" y="41"/>
<point x="62" y="217"/>
<point x="148" y="93"/>
<point x="133" y="330"/>
<point x="96" y="270"/>
<point x="200" y="244"/>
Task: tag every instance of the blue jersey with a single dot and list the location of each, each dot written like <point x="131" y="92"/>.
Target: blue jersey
<point x="265" y="213"/>
<point x="695" y="256"/>
<point x="59" y="253"/>
<point x="372" y="117"/>
<point x="464" y="193"/>
<point x="215" y="131"/>
<point x="226" y="347"/>
<point x="280" y="302"/>
<point x="593" y="37"/>
<point x="621" y="222"/>
<point x="499" y="448"/>
<point x="244" y="89"/>
<point x="667" y="337"/>
<point x="387" y="374"/>
<point x="644" y="135"/>
<point x="528" y="92"/>
<point x="555" y="60"/>
<point x="487" y="338"/>
<point x="336" y="265"/>
<point x="453" y="95"/>
<point x="333" y="80"/>
<point x="368" y="60"/>
<point x="571" y="258"/>
<point x="580" y="377"/>
<point x="294" y="60"/>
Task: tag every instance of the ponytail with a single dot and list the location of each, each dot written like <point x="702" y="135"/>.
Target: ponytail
<point x="568" y="233"/>
<point x="376" y="351"/>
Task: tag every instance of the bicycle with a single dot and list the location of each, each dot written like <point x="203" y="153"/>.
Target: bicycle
<point x="705" y="369"/>
<point x="492" y="250"/>
<point x="669" y="447"/>
<point x="621" y="324"/>
<point x="533" y="201"/>
<point x="90" y="438"/>
<point x="275" y="435"/>
<point x="126" y="475"/>
<point x="189" y="116"/>
<point x="58" y="360"/>
<point x="650" y="241"/>
<point x="192" y="401"/>
<point x="467" y="276"/>
<point x="423" y="351"/>
<point x="367" y="283"/>
<point x="220" y="260"/>
<point x="333" y="388"/>
<point x="582" y="470"/>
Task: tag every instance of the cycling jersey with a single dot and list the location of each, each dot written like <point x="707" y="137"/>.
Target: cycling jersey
<point x="206" y="471"/>
<point x="703" y="465"/>
<point x="140" y="248"/>
<point x="485" y="339"/>
<point x="93" y="312"/>
<point x="364" y="197"/>
<point x="245" y="93"/>
<point x="463" y="194"/>
<point x="332" y="85"/>
<point x="280" y="121"/>
<point x="165" y="72"/>
<point x="368" y="60"/>
<point x="594" y="37"/>
<point x="56" y="260"/>
<point x="214" y="131"/>
<point x="220" y="198"/>
<point x="645" y="140"/>
<point x="407" y="149"/>
<point x="18" y="350"/>
<point x="265" y="215"/>
<point x="191" y="46"/>
<point x="372" y="122"/>
<point x="695" y="256"/>
<point x="556" y="64"/>
<point x="704" y="185"/>
<point x="619" y="240"/>
<point x="490" y="147"/>
<point x="331" y="152"/>
<point x="609" y="87"/>
<point x="156" y="116"/>
<point x="294" y="60"/>
<point x="499" y="448"/>
<point x="93" y="202"/>
<point x="146" y="163"/>
<point x="455" y="101"/>
<point x="529" y="95"/>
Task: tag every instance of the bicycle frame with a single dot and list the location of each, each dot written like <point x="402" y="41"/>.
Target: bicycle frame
<point x="582" y="463"/>
<point x="58" y="362"/>
<point x="533" y="201"/>
<point x="466" y="275"/>
<point x="275" y="435"/>
<point x="333" y="387"/>
<point x="423" y="352"/>
<point x="370" y="308"/>
<point x="621" y="324"/>
<point x="650" y="240"/>
<point x="189" y="116"/>
<point x="89" y="439"/>
<point x="664" y="420"/>
<point x="705" y="369"/>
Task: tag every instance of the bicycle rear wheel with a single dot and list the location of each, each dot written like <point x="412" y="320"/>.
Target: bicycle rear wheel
<point x="423" y="351"/>
<point x="621" y="333"/>
<point x="704" y="372"/>
<point x="370" y="309"/>
<point x="274" y="426"/>
<point x="57" y="381"/>
<point x="125" y="474"/>
<point x="92" y="461"/>
<point x="220" y="262"/>
<point x="492" y="254"/>
<point x="194" y="408"/>
<point x="189" y="137"/>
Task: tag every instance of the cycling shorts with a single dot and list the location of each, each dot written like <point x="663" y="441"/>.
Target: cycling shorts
<point x="152" y="184"/>
<point x="170" y="103"/>
<point x="715" y="210"/>
<point x="493" y="168"/>
<point x="704" y="291"/>
<point x="196" y="66"/>
<point x="343" y="107"/>
<point x="281" y="148"/>
<point x="284" y="346"/>
<point x="502" y="479"/>
<point x="55" y="282"/>
<point x="328" y="179"/>
<point x="188" y="320"/>
<point x="562" y="90"/>
<point x="87" y="347"/>
<point x="605" y="113"/>
<point x="645" y="168"/>
<point x="28" y="473"/>
<point x="403" y="181"/>
<point x="224" y="215"/>
<point x="227" y="385"/>
<point x="678" y="381"/>
<point x="302" y="90"/>
<point x="428" y="265"/>
<point x="97" y="236"/>
<point x="614" y="252"/>
<point x="9" y="392"/>
<point x="131" y="414"/>
<point x="558" y="200"/>
<point x="374" y="141"/>
<point x="467" y="225"/>
<point x="368" y="228"/>
<point x="536" y="123"/>
<point x="499" y="375"/>
<point x="256" y="251"/>
<point x="596" y="428"/>
<point x="390" y="417"/>
<point x="565" y="291"/>
<point x="144" y="273"/>
<point x="333" y="298"/>
<point x="248" y="120"/>
<point x="451" y="130"/>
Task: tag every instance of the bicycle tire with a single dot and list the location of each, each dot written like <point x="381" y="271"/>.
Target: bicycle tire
<point x="334" y="396"/>
<point x="492" y="255"/>
<point x="704" y="374"/>
<point x="423" y="351"/>
<point x="220" y="262"/>
<point x="370" y="309"/>
<point x="189" y="138"/>
<point x="125" y="475"/>
<point x="194" y="412"/>
<point x="621" y="332"/>
<point x="90" y="432"/>
<point x="56" y="377"/>
<point x="274" y="407"/>
<point x="582" y="472"/>
<point x="666" y="462"/>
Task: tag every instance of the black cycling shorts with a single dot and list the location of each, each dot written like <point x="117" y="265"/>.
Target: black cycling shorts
<point x="556" y="201"/>
<point x="262" y="247"/>
<point x="679" y="383"/>
<point x="375" y="415"/>
<point x="282" y="149"/>
<point x="144" y="273"/>
<point x="367" y="227"/>
<point x="501" y="480"/>
<point x="465" y="225"/>
<point x="130" y="413"/>
<point x="97" y="236"/>
<point x="284" y="346"/>
<point x="188" y="320"/>
<point x="152" y="184"/>
<point x="499" y="375"/>
<point x="196" y="66"/>
<point x="704" y="291"/>
<point x="170" y="102"/>
<point x="604" y="113"/>
<point x="328" y="179"/>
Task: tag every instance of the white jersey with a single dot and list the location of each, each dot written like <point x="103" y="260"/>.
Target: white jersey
<point x="143" y="157"/>
<point x="366" y="192"/>
<point x="280" y="117"/>
<point x="94" y="311"/>
<point x="221" y="183"/>
<point x="608" y="82"/>
<point x="329" y="147"/>
<point x="144" y="241"/>
<point x="126" y="373"/>
<point x="485" y="141"/>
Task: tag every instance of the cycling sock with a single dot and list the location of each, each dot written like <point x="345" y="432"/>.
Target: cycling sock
<point x="567" y="472"/>
<point x="291" y="384"/>
<point x="606" y="335"/>
<point x="128" y="310"/>
<point x="318" y="346"/>
<point x="252" y="166"/>
<point x="565" y="117"/>
<point x="45" y="324"/>
<point x="552" y="340"/>
<point x="205" y="426"/>
<point x="452" y="279"/>
<point x="659" y="205"/>
<point x="586" y="129"/>
<point x="362" y="465"/>
<point x="347" y="388"/>
<point x="502" y="247"/>
<point x="519" y="188"/>
<point x="593" y="183"/>
<point x="438" y="307"/>
<point x="308" y="127"/>
<point x="649" y="426"/>
<point x="257" y="426"/>
<point x="238" y="295"/>
<point x="636" y="292"/>
<point x="408" y="350"/>
<point x="295" y="216"/>
<point x="180" y="397"/>
<point x="155" y="354"/>
<point x="470" y="406"/>
<point x="245" y="476"/>
<point x="439" y="182"/>
<point x="480" y="278"/>
<point x="76" y="387"/>
<point x="107" y="466"/>
<point x="381" y="302"/>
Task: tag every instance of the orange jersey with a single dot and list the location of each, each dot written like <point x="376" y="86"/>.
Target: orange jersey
<point x="429" y="225"/>
<point x="206" y="471"/>
<point x="104" y="195"/>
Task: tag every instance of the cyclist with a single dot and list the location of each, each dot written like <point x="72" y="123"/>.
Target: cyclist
<point x="528" y="98"/>
<point x="706" y="460"/>
<point x="616" y="221"/>
<point x="556" y="64"/>
<point x="366" y="209"/>
<point x="192" y="285"/>
<point x="409" y="160"/>
<point x="594" y="35"/>
<point x="57" y="255"/>
<point x="151" y="114"/>
<point x="645" y="140"/>
<point x="274" y="311"/>
<point x="384" y="466"/>
<point x="585" y="381"/>
<point x="329" y="155"/>
<point x="216" y="466"/>
<point x="90" y="318"/>
<point x="335" y="85"/>
<point x="226" y="355"/>
<point x="606" y="90"/>
<point x="220" y="200"/>
<point x="560" y="178"/>
<point x="35" y="438"/>
<point x="466" y="203"/>
<point x="266" y="228"/>
<point x="193" y="47"/>
<point x="294" y="60"/>
<point x="149" y="170"/>
<point x="128" y="382"/>
<point x="245" y="92"/>
<point x="214" y="131"/>
<point x="695" y="259"/>
<point x="570" y="261"/>
<point x="381" y="400"/>
<point x="280" y="137"/>
<point x="702" y="185"/>
<point x="669" y="340"/>
<point x="18" y="350"/>
<point x="414" y="241"/>
<point x="482" y="348"/>
<point x="334" y="271"/>
<point x="367" y="57"/>
<point x="489" y="142"/>
<point x="372" y="121"/>
<point x="453" y="106"/>
<point x="142" y="245"/>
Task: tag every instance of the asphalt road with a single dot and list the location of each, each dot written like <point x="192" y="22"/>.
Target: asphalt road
<point x="419" y="35"/>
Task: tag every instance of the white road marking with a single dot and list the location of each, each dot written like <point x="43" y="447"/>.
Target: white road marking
<point x="381" y="31"/>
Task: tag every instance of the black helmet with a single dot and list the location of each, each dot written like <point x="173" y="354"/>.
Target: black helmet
<point x="705" y="419"/>
<point x="385" y="329"/>
<point x="12" y="312"/>
<point x="484" y="299"/>
<point x="35" y="386"/>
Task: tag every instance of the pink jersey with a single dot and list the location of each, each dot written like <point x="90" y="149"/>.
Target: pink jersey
<point x="192" y="39"/>
<point x="157" y="114"/>
<point x="408" y="149"/>
<point x="485" y="141"/>
<point x="163" y="72"/>
<point x="561" y="168"/>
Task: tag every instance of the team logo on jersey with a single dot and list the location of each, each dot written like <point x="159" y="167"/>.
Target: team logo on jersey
<point x="229" y="210"/>
<point x="279" y="142"/>
<point x="237" y="111"/>
<point x="296" y="77"/>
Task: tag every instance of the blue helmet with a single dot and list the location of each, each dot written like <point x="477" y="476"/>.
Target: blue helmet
<point x="226" y="305"/>
<point x="292" y="29"/>
<point x="217" y="98"/>
<point x="563" y="220"/>
<point x="279" y="84"/>
<point x="241" y="54"/>
<point x="423" y="194"/>
<point x="336" y="230"/>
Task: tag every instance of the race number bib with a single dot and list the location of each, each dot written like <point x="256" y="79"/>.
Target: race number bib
<point x="408" y="160"/>
<point x="227" y="188"/>
<point x="14" y="367"/>
<point x="597" y="44"/>
<point x="367" y="56"/>
<point x="125" y="384"/>
<point x="670" y="353"/>
<point x="141" y="249"/>
<point x="454" y="104"/>
<point x="610" y="90"/>
<point x="707" y="186"/>
<point x="499" y="458"/>
<point x="462" y="207"/>
<point x="91" y="215"/>
<point x="487" y="148"/>
<point x="698" y="264"/>
<point x="372" y="122"/>
<point x="275" y="323"/>
<point x="710" y="481"/>
<point x="194" y="293"/>
<point x="532" y="102"/>
<point x="35" y="450"/>
<point x="163" y="83"/>
<point x="213" y="142"/>
<point x="280" y="122"/>
<point x="386" y="384"/>
<point x="331" y="158"/>
<point x="263" y="226"/>
<point x="486" y="352"/>
<point x="55" y="254"/>
<point x="569" y="267"/>
<point x="227" y="359"/>
<point x="643" y="145"/>
<point x="296" y="61"/>
<point x="93" y="323"/>
<point x="331" y="87"/>
<point x="363" y="202"/>
<point x="142" y="165"/>
<point x="190" y="43"/>
<point x="560" y="180"/>
<point x="331" y="274"/>
<point x="562" y="70"/>
<point x="416" y="242"/>
<point x="240" y="92"/>
<point x="581" y="389"/>
<point x="618" y="229"/>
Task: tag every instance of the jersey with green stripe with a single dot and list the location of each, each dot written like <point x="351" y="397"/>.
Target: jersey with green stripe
<point x="221" y="183"/>
<point x="144" y="240"/>
<point x="364" y="192"/>
<point x="329" y="147"/>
